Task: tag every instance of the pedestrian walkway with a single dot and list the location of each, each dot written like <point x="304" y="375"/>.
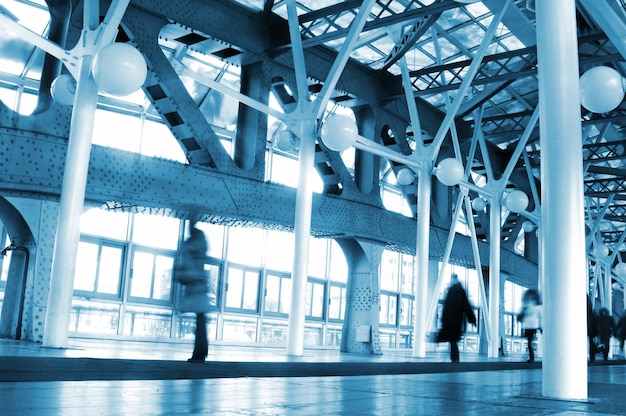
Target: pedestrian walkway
<point x="96" y="377"/>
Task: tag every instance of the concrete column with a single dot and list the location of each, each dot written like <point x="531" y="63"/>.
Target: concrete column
<point x="71" y="209"/>
<point x="304" y="199"/>
<point x="494" y="277"/>
<point x="422" y="253"/>
<point x="564" y="268"/>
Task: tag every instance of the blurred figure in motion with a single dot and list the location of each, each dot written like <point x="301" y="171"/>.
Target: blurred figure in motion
<point x="530" y="317"/>
<point x="456" y="312"/>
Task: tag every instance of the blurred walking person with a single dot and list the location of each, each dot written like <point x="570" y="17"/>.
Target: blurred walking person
<point x="530" y="317"/>
<point x="456" y="312"/>
<point x="191" y="274"/>
<point x="606" y="329"/>
<point x="620" y="332"/>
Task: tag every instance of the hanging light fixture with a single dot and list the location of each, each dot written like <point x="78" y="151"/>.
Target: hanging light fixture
<point x="528" y="226"/>
<point x="479" y="204"/>
<point x="339" y="132"/>
<point x="601" y="89"/>
<point x="405" y="176"/>
<point x="450" y="172"/>
<point x="516" y="201"/>
<point x="63" y="89"/>
<point x="119" y="69"/>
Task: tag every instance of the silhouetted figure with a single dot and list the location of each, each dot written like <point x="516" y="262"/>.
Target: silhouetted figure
<point x="456" y="311"/>
<point x="530" y="317"/>
<point x="606" y="329"/>
<point x="620" y="332"/>
<point x="192" y="275"/>
<point x="592" y="329"/>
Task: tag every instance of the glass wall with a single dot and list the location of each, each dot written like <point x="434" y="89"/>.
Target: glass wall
<point x="124" y="285"/>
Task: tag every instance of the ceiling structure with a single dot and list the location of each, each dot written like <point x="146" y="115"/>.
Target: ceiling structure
<point x="208" y="45"/>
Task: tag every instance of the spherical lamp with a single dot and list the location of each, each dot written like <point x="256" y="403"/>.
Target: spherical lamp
<point x="119" y="69"/>
<point x="516" y="201"/>
<point x="286" y="141"/>
<point x="601" y="251"/>
<point x="601" y="89"/>
<point x="339" y="132"/>
<point x="405" y="176"/>
<point x="620" y="269"/>
<point x="450" y="172"/>
<point x="63" y="89"/>
<point x="479" y="204"/>
<point x="528" y="226"/>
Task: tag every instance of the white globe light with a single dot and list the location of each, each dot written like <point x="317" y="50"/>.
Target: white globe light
<point x="601" y="251"/>
<point x="528" y="226"/>
<point x="450" y="172"/>
<point x="119" y="69"/>
<point x="601" y="89"/>
<point x="286" y="141"/>
<point x="516" y="201"/>
<point x="405" y="176"/>
<point x="620" y="269"/>
<point x="339" y="132"/>
<point x="63" y="89"/>
<point x="479" y="204"/>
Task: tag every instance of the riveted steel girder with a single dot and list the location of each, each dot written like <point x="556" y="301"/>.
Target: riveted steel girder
<point x="128" y="181"/>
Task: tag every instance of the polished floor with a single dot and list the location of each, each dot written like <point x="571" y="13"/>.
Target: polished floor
<point x="95" y="377"/>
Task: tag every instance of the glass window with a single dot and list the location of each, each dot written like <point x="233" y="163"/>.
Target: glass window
<point x="8" y="95"/>
<point x="396" y="202"/>
<point x="215" y="236"/>
<point x="245" y="246"/>
<point x="5" y="260"/>
<point x="280" y="250"/>
<point x="109" y="271"/>
<point x="389" y="267"/>
<point x="338" y="263"/>
<point x="116" y="130"/>
<point x="28" y="103"/>
<point x="242" y="289"/>
<point x="388" y="308"/>
<point x="98" y="268"/>
<point x="103" y="223"/>
<point x="406" y="311"/>
<point x="337" y="302"/>
<point x="285" y="170"/>
<point x="156" y="231"/>
<point x="274" y="332"/>
<point x="86" y="267"/>
<point x="318" y="257"/>
<point x="151" y="276"/>
<point x="408" y="273"/>
<point x="94" y="317"/>
<point x="472" y="286"/>
<point x="278" y="293"/>
<point x="214" y="272"/>
<point x="239" y="329"/>
<point x="315" y="299"/>
<point x="147" y="322"/>
<point x="157" y="140"/>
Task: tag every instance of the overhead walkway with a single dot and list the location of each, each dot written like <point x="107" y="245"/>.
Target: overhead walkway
<point x="148" y="378"/>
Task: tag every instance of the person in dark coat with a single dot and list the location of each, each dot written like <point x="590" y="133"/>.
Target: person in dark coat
<point x="192" y="275"/>
<point x="606" y="329"/>
<point x="592" y="330"/>
<point x="456" y="311"/>
<point x="620" y="331"/>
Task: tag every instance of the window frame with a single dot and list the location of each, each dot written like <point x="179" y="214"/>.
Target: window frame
<point x="103" y="242"/>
